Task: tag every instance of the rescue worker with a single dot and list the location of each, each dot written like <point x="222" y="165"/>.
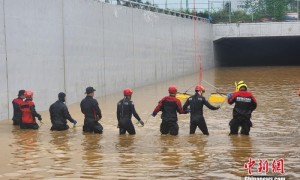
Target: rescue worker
<point x="169" y="105"/>
<point x="245" y="104"/>
<point x="196" y="103"/>
<point x="17" y="110"/>
<point x="29" y="113"/>
<point x="125" y="110"/>
<point x="92" y="113"/>
<point x="59" y="114"/>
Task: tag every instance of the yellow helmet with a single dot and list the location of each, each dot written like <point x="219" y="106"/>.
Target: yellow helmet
<point x="240" y="84"/>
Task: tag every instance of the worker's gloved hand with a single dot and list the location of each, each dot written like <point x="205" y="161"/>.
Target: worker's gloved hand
<point x="152" y="114"/>
<point x="98" y="118"/>
<point x="142" y="122"/>
<point x="229" y="95"/>
<point x="188" y="110"/>
<point x="40" y="118"/>
<point x="74" y="122"/>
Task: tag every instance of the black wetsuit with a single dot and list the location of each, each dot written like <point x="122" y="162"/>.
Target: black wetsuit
<point x="92" y="114"/>
<point x="17" y="117"/>
<point x="125" y="110"/>
<point x="196" y="103"/>
<point x="59" y="114"/>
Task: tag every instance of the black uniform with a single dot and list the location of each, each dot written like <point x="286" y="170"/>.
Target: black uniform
<point x="17" y="117"/>
<point x="196" y="103"/>
<point x="125" y="109"/>
<point x="92" y="114"/>
<point x="59" y="114"/>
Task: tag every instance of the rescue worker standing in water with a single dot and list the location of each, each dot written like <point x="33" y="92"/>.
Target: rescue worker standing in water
<point x="125" y="110"/>
<point x="59" y="114"/>
<point x="29" y="113"/>
<point x="245" y="104"/>
<point x="92" y="113"/>
<point x="17" y="110"/>
<point x="169" y="105"/>
<point x="196" y="103"/>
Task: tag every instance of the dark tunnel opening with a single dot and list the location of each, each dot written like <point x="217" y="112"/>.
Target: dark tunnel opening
<point x="258" y="51"/>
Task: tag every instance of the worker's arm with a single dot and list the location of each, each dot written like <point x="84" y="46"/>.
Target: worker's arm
<point x="135" y="114"/>
<point x="211" y="107"/>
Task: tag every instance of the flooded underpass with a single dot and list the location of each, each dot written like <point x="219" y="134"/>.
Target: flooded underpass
<point x="42" y="154"/>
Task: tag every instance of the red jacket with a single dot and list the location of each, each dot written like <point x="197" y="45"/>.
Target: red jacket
<point x="169" y="106"/>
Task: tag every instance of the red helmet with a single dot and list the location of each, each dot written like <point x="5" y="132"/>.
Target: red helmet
<point x="172" y="89"/>
<point x="199" y="88"/>
<point x="28" y="94"/>
<point x="127" y="92"/>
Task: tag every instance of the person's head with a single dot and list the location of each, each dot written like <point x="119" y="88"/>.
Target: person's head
<point x="28" y="95"/>
<point x="199" y="89"/>
<point x="127" y="92"/>
<point x="62" y="96"/>
<point x="241" y="86"/>
<point x="172" y="90"/>
<point x="21" y="94"/>
<point x="90" y="91"/>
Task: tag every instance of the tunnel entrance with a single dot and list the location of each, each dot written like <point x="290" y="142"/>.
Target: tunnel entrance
<point x="258" y="51"/>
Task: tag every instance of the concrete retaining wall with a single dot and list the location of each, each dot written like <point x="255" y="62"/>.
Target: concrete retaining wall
<point x="256" y="29"/>
<point x="50" y="46"/>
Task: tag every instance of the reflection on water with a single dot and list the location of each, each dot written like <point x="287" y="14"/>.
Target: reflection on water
<point x="128" y="166"/>
<point x="240" y="151"/>
<point x="169" y="153"/>
<point x="43" y="154"/>
<point x="60" y="151"/>
<point x="92" y="156"/>
<point x="26" y="153"/>
<point x="199" y="155"/>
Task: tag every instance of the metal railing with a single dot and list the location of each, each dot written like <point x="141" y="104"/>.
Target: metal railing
<point x="149" y="7"/>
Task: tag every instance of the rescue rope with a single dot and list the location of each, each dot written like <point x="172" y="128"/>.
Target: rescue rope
<point x="210" y="85"/>
<point x="41" y="123"/>
<point x="196" y="43"/>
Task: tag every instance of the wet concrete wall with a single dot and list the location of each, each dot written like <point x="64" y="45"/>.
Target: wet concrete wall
<point x="256" y="29"/>
<point x="65" y="45"/>
<point x="3" y="79"/>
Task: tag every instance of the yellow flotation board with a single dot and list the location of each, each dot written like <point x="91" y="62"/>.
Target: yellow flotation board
<point x="182" y="96"/>
<point x="217" y="98"/>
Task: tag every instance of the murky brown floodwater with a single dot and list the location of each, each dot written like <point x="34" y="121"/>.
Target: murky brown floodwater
<point x="42" y="154"/>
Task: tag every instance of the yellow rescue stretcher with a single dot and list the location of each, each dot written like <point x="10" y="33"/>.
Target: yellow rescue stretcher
<point x="213" y="98"/>
<point x="182" y="96"/>
<point x="217" y="98"/>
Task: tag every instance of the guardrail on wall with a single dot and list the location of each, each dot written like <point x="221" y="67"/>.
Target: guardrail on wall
<point x="152" y="8"/>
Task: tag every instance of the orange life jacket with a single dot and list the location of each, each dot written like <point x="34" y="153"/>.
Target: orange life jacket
<point x="27" y="116"/>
